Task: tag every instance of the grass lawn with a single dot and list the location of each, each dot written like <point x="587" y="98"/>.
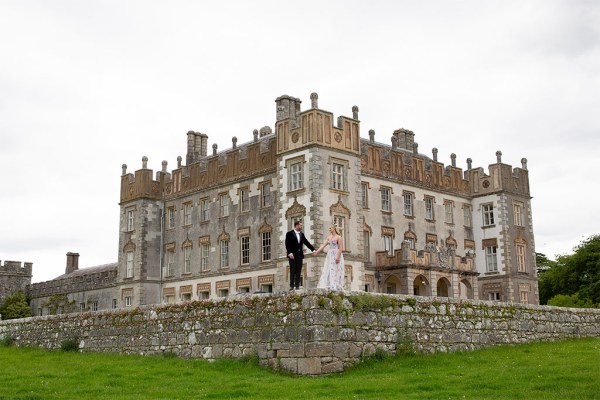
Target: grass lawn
<point x="561" y="370"/>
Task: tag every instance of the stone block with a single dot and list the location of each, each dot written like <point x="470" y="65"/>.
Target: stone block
<point x="309" y="366"/>
<point x="329" y="368"/>
<point x="318" y="349"/>
<point x="289" y="364"/>
<point x="297" y="350"/>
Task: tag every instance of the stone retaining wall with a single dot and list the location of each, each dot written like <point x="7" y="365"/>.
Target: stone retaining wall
<point x="313" y="333"/>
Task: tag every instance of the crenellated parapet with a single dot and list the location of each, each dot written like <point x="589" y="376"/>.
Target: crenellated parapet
<point x="501" y="177"/>
<point x="141" y="184"/>
<point x="14" y="276"/>
<point x="203" y="171"/>
<point x="240" y="162"/>
<point x="103" y="277"/>
<point x="297" y="129"/>
<point x="403" y="163"/>
<point x="16" y="268"/>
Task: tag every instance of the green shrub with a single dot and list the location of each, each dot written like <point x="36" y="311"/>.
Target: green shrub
<point x="70" y="344"/>
<point x="7" y="341"/>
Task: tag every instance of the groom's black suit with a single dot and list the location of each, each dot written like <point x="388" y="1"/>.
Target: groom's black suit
<point x="295" y="247"/>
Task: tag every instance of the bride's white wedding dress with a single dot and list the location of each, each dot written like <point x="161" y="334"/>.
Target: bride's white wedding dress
<point x="332" y="275"/>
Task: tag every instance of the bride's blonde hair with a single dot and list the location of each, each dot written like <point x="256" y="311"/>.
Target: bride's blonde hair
<point x="335" y="228"/>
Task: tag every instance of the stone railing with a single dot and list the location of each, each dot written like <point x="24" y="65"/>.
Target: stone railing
<point x="313" y="333"/>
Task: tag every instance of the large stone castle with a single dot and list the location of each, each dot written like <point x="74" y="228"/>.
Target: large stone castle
<point x="214" y="226"/>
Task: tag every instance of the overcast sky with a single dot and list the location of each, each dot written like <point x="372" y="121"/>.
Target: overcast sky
<point x="86" y="86"/>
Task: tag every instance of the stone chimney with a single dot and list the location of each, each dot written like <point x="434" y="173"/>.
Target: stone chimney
<point x="287" y="107"/>
<point x="72" y="262"/>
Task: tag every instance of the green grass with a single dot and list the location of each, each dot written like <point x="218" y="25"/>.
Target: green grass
<point x="560" y="370"/>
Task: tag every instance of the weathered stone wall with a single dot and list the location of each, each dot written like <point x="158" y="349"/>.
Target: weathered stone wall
<point x="14" y="276"/>
<point x="313" y="333"/>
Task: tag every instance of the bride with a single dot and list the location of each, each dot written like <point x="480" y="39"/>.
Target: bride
<point x="332" y="275"/>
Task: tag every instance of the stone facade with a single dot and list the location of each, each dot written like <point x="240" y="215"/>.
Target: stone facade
<point x="313" y="333"/>
<point x="215" y="226"/>
<point x="14" y="276"/>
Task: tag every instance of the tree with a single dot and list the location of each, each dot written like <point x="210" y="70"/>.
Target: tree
<point x="576" y="277"/>
<point x="15" y="306"/>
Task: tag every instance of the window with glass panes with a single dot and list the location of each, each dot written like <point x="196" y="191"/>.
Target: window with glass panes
<point x="129" y="264"/>
<point x="224" y="203"/>
<point x="204" y="210"/>
<point x="204" y="252"/>
<point x="170" y="263"/>
<point x="337" y="176"/>
<point x="429" y="212"/>
<point x="265" y="194"/>
<point x="244" y="200"/>
<point x="187" y="214"/>
<point x="130" y="219"/>
<point x="367" y="246"/>
<point x="518" y="214"/>
<point x="491" y="260"/>
<point x="295" y="176"/>
<point x="386" y="194"/>
<point x="224" y="246"/>
<point x="364" y="193"/>
<point x="171" y="217"/>
<point x="521" y="266"/>
<point x="388" y="244"/>
<point x="488" y="214"/>
<point x="266" y="246"/>
<point x="449" y="211"/>
<point x="245" y="249"/>
<point x="467" y="216"/>
<point x="408" y="204"/>
<point x="187" y="260"/>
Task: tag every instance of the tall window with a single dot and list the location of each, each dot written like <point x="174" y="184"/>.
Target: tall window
<point x="265" y="194"/>
<point x="467" y="216"/>
<point x="295" y="176"/>
<point x="338" y="172"/>
<point x="94" y="306"/>
<point x="408" y="204"/>
<point x="491" y="260"/>
<point x="127" y="301"/>
<point x="449" y="211"/>
<point x="187" y="260"/>
<point x="245" y="249"/>
<point x="488" y="214"/>
<point x="129" y="264"/>
<point x="204" y="251"/>
<point x="130" y="220"/>
<point x="171" y="217"/>
<point x="429" y="214"/>
<point x="187" y="214"/>
<point x="367" y="246"/>
<point x="518" y="213"/>
<point x="386" y="194"/>
<point x="224" y="202"/>
<point x="224" y="246"/>
<point x="388" y="244"/>
<point x="170" y="263"/>
<point x="204" y="210"/>
<point x="521" y="266"/>
<point x="266" y="246"/>
<point x="364" y="194"/>
<point x="524" y="297"/>
<point x="244" y="199"/>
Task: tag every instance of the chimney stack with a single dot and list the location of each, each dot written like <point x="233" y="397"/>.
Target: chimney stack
<point x="72" y="262"/>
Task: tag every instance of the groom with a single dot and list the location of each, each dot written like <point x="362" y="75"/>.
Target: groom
<point x="294" y="240"/>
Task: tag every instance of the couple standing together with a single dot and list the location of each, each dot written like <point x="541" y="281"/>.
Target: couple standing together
<point x="332" y="275"/>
